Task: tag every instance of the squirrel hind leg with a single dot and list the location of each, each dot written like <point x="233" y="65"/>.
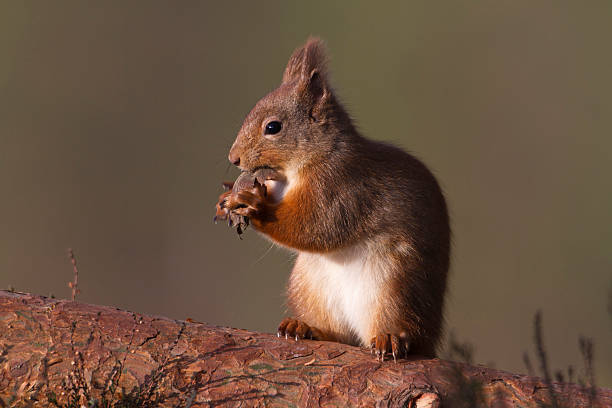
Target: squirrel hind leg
<point x="397" y="345"/>
<point x="401" y="345"/>
<point x="291" y="328"/>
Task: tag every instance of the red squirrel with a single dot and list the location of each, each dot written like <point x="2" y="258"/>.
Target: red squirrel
<point x="368" y="221"/>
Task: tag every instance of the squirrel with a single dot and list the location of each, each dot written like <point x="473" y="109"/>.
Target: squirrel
<point x="368" y="221"/>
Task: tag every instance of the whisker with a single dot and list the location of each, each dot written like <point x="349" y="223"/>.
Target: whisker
<point x="264" y="255"/>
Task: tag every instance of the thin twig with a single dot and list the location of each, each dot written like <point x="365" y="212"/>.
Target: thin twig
<point x="541" y="353"/>
<point x="74" y="285"/>
<point x="586" y="349"/>
<point x="527" y="363"/>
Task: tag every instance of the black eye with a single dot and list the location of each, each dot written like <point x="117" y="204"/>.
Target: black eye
<point x="272" y="128"/>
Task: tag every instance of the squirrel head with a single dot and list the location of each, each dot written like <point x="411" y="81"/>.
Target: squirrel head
<point x="296" y="124"/>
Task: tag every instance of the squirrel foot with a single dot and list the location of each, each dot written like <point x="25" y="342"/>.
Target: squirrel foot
<point x="396" y="344"/>
<point x="297" y="329"/>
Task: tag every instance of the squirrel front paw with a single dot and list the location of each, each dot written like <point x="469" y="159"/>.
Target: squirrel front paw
<point x="239" y="203"/>
<point x="396" y="344"/>
<point x="223" y="212"/>
<point x="246" y="203"/>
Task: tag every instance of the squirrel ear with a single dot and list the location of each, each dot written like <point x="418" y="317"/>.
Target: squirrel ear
<point x="307" y="67"/>
<point x="311" y="57"/>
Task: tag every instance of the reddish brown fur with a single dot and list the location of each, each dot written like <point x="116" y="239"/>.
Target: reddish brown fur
<point x="346" y="190"/>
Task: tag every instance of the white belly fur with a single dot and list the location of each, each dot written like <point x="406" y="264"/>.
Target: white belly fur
<point x="351" y="281"/>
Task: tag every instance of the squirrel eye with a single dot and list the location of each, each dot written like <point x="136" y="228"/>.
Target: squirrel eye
<point x="273" y="128"/>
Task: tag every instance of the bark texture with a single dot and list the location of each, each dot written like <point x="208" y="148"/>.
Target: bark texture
<point x="62" y="353"/>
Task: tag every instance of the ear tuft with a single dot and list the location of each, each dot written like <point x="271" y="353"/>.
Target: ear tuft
<point x="306" y="62"/>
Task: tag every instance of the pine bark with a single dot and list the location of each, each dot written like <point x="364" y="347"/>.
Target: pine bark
<point x="63" y="353"/>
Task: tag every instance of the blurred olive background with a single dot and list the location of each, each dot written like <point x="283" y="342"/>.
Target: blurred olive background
<point x="116" y="119"/>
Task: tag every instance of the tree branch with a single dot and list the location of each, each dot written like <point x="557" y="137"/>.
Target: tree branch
<point x="59" y="352"/>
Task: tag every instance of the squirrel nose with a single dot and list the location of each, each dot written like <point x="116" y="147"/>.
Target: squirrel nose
<point x="234" y="158"/>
